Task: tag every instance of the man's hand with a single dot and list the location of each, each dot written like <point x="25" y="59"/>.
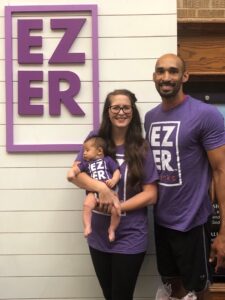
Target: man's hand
<point x="218" y="251"/>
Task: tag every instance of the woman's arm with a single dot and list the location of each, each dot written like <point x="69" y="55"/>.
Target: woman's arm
<point x="107" y="197"/>
<point x="84" y="181"/>
<point x="146" y="197"/>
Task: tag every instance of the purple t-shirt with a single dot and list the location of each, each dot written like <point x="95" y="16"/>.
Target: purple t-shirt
<point x="179" y="139"/>
<point x="101" y="169"/>
<point x="132" y="232"/>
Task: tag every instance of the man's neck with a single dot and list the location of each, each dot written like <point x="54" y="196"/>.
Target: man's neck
<point x="169" y="103"/>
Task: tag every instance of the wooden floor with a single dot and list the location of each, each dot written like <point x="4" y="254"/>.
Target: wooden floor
<point x="217" y="291"/>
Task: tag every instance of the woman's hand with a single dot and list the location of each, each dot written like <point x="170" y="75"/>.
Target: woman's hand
<point x="107" y="199"/>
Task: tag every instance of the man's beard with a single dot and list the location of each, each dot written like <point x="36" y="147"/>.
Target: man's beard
<point x="170" y="93"/>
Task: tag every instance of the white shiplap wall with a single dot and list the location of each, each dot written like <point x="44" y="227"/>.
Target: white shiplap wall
<point x="43" y="254"/>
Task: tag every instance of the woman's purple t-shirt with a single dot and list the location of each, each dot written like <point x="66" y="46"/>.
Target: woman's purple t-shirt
<point x="132" y="232"/>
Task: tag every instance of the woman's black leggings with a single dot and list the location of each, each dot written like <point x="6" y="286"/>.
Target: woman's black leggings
<point x="117" y="273"/>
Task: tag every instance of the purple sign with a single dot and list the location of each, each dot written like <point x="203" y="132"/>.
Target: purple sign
<point x="64" y="66"/>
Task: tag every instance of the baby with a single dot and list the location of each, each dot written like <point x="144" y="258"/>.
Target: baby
<point x="99" y="167"/>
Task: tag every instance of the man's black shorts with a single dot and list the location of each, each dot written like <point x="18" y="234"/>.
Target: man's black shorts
<point x="184" y="255"/>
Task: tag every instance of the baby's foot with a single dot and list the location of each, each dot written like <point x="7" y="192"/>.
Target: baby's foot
<point x="112" y="235"/>
<point x="87" y="231"/>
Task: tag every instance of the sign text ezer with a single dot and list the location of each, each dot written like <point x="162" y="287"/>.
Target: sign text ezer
<point x="61" y="55"/>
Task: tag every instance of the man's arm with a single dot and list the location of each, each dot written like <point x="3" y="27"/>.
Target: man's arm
<point x="217" y="162"/>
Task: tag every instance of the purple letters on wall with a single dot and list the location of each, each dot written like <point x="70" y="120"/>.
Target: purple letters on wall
<point x="61" y="56"/>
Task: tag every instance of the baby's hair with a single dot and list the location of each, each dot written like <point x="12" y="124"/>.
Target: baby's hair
<point x="98" y="142"/>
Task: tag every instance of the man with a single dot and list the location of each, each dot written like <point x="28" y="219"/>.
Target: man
<point x="188" y="141"/>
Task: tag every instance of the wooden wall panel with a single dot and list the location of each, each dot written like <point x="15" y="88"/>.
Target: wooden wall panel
<point x="202" y="47"/>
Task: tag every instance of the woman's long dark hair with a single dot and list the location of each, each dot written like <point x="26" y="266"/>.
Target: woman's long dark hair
<point x="135" y="145"/>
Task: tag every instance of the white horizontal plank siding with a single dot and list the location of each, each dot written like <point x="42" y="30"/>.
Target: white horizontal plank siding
<point x="43" y="253"/>
<point x="58" y="265"/>
<point x="13" y="200"/>
<point x="2" y="94"/>
<point x="45" y="221"/>
<point x="63" y="287"/>
<point x="128" y="26"/>
<point x="50" y="134"/>
<point x="2" y="135"/>
<point x="35" y="178"/>
<point x="47" y="265"/>
<point x="43" y="160"/>
<point x="110" y="7"/>
<point x="42" y="243"/>
<point x="49" y="287"/>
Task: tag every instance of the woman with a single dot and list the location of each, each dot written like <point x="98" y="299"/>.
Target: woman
<point x="117" y="264"/>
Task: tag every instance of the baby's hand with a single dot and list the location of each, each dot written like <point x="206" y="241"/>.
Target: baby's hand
<point x="110" y="183"/>
<point x="73" y="172"/>
<point x="75" y="169"/>
<point x="70" y="175"/>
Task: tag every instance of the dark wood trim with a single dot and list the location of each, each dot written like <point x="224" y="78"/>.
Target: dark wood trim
<point x="203" y="28"/>
<point x="214" y="77"/>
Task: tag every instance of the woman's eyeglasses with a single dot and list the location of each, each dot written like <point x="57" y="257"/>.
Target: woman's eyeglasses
<point x="115" y="109"/>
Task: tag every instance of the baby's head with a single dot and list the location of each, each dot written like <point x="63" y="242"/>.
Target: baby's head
<point x="94" y="147"/>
